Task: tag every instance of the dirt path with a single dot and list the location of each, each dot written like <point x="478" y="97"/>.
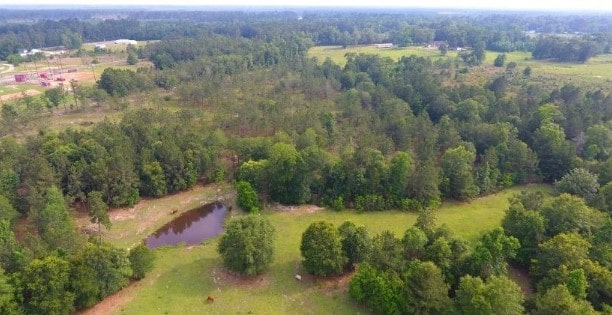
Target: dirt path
<point x="8" y="66"/>
<point x="112" y="304"/>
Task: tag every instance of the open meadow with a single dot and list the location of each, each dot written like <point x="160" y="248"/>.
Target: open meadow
<point x="597" y="70"/>
<point x="184" y="276"/>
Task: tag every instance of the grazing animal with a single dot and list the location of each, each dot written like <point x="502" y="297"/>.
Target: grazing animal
<point x="298" y="277"/>
<point x="210" y="299"/>
<point x="175" y="211"/>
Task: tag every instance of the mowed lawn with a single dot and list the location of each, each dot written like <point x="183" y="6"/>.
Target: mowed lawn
<point x="184" y="277"/>
<point x="596" y="70"/>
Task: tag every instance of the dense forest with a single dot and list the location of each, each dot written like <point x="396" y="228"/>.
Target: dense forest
<point x="372" y="134"/>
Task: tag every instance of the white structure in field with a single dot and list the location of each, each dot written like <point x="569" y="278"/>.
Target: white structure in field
<point x="126" y="41"/>
<point x="384" y="45"/>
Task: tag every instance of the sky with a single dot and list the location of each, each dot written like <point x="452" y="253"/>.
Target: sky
<point x="554" y="5"/>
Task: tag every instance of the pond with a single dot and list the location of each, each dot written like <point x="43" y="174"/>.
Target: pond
<point x="191" y="227"/>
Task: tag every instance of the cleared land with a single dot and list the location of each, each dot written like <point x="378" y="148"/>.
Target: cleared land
<point x="597" y="70"/>
<point x="184" y="277"/>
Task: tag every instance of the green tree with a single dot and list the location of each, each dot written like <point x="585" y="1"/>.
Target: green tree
<point x="11" y="252"/>
<point x="556" y="155"/>
<point x="426" y="291"/>
<point x="153" y="180"/>
<point x="602" y="245"/>
<point x="46" y="285"/>
<point x="8" y="305"/>
<point x="98" y="270"/>
<point x="14" y="59"/>
<point x="414" y="242"/>
<point x="7" y="212"/>
<point x="562" y="249"/>
<point x="499" y="60"/>
<point x="387" y="252"/>
<point x="399" y="171"/>
<point x="55" y="96"/>
<point x="439" y="252"/>
<point x="490" y="254"/>
<point x="356" y="243"/>
<point x="457" y="173"/>
<point x="247" y="245"/>
<point x="559" y="300"/>
<point x="381" y="291"/>
<point x="321" y="249"/>
<point x="577" y="283"/>
<point x="55" y="225"/>
<point x="141" y="260"/>
<point x="599" y="278"/>
<point x="98" y="211"/>
<point x="499" y="295"/>
<point x="604" y="198"/>
<point x="527" y="226"/>
<point x="246" y="197"/>
<point x="579" y="182"/>
<point x="132" y="59"/>
<point x="287" y="179"/>
<point x="527" y="71"/>
<point x="567" y="213"/>
<point x="423" y="185"/>
<point x="71" y="40"/>
<point x="598" y="142"/>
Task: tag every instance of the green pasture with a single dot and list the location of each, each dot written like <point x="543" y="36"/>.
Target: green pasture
<point x="184" y="277"/>
<point x="597" y="70"/>
<point x="337" y="53"/>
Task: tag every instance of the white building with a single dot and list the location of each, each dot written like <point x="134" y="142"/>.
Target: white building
<point x="384" y="45"/>
<point x="126" y="42"/>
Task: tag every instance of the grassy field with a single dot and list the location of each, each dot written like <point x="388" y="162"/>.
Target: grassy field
<point x="183" y="277"/>
<point x="597" y="70"/>
<point x="18" y="88"/>
<point x="336" y="53"/>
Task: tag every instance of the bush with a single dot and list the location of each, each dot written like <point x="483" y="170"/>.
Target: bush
<point x="337" y="203"/>
<point x="141" y="260"/>
<point x="247" y="197"/>
<point x="500" y="60"/>
<point x="579" y="182"/>
<point x="247" y="246"/>
<point x="370" y="202"/>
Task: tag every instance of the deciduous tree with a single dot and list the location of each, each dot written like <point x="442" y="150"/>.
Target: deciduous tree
<point x="321" y="249"/>
<point x="247" y="245"/>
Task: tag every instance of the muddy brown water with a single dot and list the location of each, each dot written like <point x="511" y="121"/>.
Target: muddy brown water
<point x="191" y="227"/>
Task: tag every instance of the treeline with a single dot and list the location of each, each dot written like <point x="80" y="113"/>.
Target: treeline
<point x="375" y="134"/>
<point x="71" y="33"/>
<point x="570" y="49"/>
<point x="504" y="33"/>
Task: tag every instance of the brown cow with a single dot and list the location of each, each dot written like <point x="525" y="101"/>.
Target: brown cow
<point x="210" y="299"/>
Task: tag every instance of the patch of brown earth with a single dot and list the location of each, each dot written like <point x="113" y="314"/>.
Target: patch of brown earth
<point x="222" y="277"/>
<point x="334" y="284"/>
<point x="112" y="303"/>
<point x="301" y="209"/>
<point x="18" y="95"/>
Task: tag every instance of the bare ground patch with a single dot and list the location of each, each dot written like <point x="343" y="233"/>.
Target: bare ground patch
<point x="18" y="95"/>
<point x="301" y="209"/>
<point x="111" y="304"/>
<point x="222" y="277"/>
